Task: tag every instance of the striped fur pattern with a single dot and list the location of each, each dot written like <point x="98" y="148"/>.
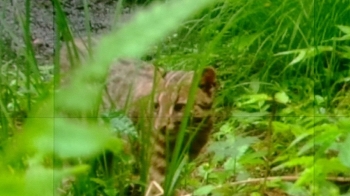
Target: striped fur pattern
<point x="171" y="104"/>
<point x="130" y="86"/>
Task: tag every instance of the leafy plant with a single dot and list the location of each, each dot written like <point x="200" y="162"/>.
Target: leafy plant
<point x="282" y="106"/>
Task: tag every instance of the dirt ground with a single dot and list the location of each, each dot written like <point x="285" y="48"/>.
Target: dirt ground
<point x="102" y="14"/>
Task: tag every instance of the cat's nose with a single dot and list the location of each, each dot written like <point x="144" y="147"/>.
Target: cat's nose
<point x="160" y="123"/>
<point x="164" y="124"/>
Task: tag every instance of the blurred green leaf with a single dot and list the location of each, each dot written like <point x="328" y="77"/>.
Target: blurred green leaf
<point x="11" y="184"/>
<point x="68" y="137"/>
<point x="204" y="190"/>
<point x="42" y="181"/>
<point x="344" y="154"/>
<point x="74" y="139"/>
<point x="282" y="97"/>
<point x="344" y="29"/>
<point x="249" y="99"/>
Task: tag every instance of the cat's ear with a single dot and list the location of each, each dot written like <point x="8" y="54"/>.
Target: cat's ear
<point x="208" y="80"/>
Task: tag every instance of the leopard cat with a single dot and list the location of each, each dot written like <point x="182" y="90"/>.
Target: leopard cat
<point x="137" y="86"/>
<point x="171" y="103"/>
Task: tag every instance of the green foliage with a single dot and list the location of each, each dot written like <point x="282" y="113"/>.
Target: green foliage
<point x="282" y="106"/>
<point x="49" y="135"/>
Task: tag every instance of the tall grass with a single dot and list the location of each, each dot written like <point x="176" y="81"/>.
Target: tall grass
<point x="47" y="134"/>
<point x="282" y="105"/>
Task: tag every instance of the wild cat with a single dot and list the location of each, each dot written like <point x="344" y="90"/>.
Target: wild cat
<point x="158" y="99"/>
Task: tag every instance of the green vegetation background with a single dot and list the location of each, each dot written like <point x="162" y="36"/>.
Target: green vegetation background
<point x="282" y="109"/>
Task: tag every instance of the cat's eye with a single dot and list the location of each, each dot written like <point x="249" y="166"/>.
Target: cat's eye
<point x="179" y="106"/>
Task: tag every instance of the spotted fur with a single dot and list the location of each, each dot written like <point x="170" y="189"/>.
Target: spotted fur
<point x="136" y="86"/>
<point x="171" y="103"/>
